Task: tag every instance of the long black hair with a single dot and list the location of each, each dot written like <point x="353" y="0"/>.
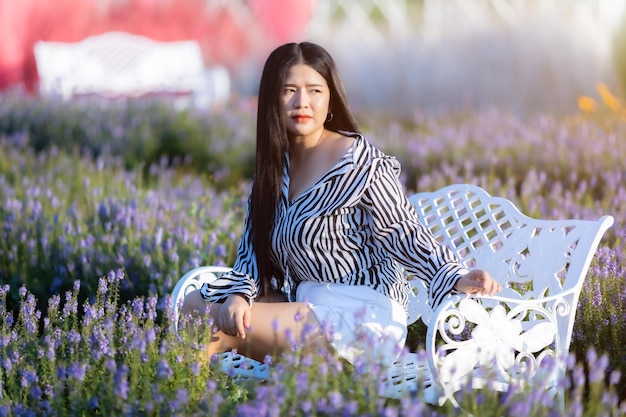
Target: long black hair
<point x="272" y="143"/>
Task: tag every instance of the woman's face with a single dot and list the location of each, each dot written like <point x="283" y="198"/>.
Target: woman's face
<point x="305" y="101"/>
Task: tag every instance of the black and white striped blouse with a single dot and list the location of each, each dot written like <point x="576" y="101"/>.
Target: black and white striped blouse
<point x="353" y="226"/>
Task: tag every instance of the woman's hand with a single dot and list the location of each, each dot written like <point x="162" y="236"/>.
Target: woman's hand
<point x="478" y="281"/>
<point x="233" y="317"/>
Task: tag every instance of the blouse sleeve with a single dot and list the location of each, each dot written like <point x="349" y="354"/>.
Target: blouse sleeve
<point x="397" y="227"/>
<point x="242" y="278"/>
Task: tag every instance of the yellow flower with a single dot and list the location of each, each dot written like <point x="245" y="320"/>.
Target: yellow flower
<point x="608" y="98"/>
<point x="587" y="104"/>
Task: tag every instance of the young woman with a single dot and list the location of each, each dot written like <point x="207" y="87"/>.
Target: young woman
<point x="328" y="228"/>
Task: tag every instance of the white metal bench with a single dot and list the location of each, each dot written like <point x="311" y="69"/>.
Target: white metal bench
<point x="521" y="336"/>
<point x="119" y="64"/>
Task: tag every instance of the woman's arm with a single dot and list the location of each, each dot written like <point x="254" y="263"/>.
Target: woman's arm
<point x="397" y="227"/>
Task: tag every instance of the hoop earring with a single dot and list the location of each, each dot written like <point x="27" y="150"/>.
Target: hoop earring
<point x="329" y="117"/>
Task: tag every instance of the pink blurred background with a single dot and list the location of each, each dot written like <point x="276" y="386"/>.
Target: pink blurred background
<point x="223" y="36"/>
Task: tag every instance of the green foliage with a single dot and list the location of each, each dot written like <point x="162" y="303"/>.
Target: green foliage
<point x="107" y="357"/>
<point x="142" y="132"/>
<point x="68" y="218"/>
<point x="103" y="357"/>
<point x="600" y="317"/>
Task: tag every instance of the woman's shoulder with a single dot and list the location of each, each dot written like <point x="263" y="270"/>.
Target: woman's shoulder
<point x="364" y="152"/>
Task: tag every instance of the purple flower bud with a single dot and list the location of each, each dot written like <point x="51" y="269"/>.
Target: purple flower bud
<point x="103" y="287"/>
<point x="29" y="378"/>
<point x="93" y="403"/>
<point x="298" y="316"/>
<point x="121" y="382"/>
<point x="77" y="371"/>
<point x="110" y="365"/>
<point x="119" y="275"/>
<point x="615" y="378"/>
<point x="163" y="370"/>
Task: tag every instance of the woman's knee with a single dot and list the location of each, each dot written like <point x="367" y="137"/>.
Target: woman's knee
<point x="192" y="303"/>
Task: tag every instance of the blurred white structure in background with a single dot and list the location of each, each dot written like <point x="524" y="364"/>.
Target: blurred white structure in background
<point x="119" y="64"/>
<point x="523" y="55"/>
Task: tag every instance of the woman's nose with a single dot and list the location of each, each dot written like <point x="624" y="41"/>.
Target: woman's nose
<point x="301" y="99"/>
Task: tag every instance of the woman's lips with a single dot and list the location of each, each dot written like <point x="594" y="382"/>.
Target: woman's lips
<point x="301" y="118"/>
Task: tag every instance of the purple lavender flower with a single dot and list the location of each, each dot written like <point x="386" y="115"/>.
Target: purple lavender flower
<point x="412" y="406"/>
<point x="31" y="314"/>
<point x="119" y="275"/>
<point x="111" y="277"/>
<point x="73" y="337"/>
<point x="302" y="383"/>
<point x="35" y="393"/>
<point x="110" y="365"/>
<point x="323" y="369"/>
<point x="598" y="369"/>
<point x="335" y="400"/>
<point x="390" y="412"/>
<point x="252" y="410"/>
<point x="61" y="372"/>
<point x="151" y="307"/>
<point x="103" y="286"/>
<point x="298" y="316"/>
<point x="164" y="371"/>
<point x="93" y="403"/>
<point x="29" y="378"/>
<point x="120" y="382"/>
<point x="615" y="378"/>
<point x="322" y="405"/>
<point x="220" y="251"/>
<point x="195" y="368"/>
<point x="216" y="402"/>
<point x="71" y="305"/>
<point x="182" y="398"/>
<point x="306" y="406"/>
<point x="77" y="371"/>
<point x="137" y="305"/>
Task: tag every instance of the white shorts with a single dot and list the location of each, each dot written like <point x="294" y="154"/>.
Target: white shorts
<point x="359" y="321"/>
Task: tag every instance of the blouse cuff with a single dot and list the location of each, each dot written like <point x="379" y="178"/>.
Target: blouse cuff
<point x="447" y="276"/>
<point x="219" y="290"/>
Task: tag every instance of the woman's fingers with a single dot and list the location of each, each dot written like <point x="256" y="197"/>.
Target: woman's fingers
<point x="234" y="317"/>
<point x="487" y="285"/>
<point x="479" y="281"/>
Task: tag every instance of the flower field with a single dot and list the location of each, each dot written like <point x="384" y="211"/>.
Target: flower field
<point x="104" y="205"/>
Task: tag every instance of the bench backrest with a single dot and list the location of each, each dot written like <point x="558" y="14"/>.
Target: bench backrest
<point x="533" y="259"/>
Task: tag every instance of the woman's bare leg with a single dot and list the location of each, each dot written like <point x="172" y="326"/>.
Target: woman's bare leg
<point x="273" y="328"/>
